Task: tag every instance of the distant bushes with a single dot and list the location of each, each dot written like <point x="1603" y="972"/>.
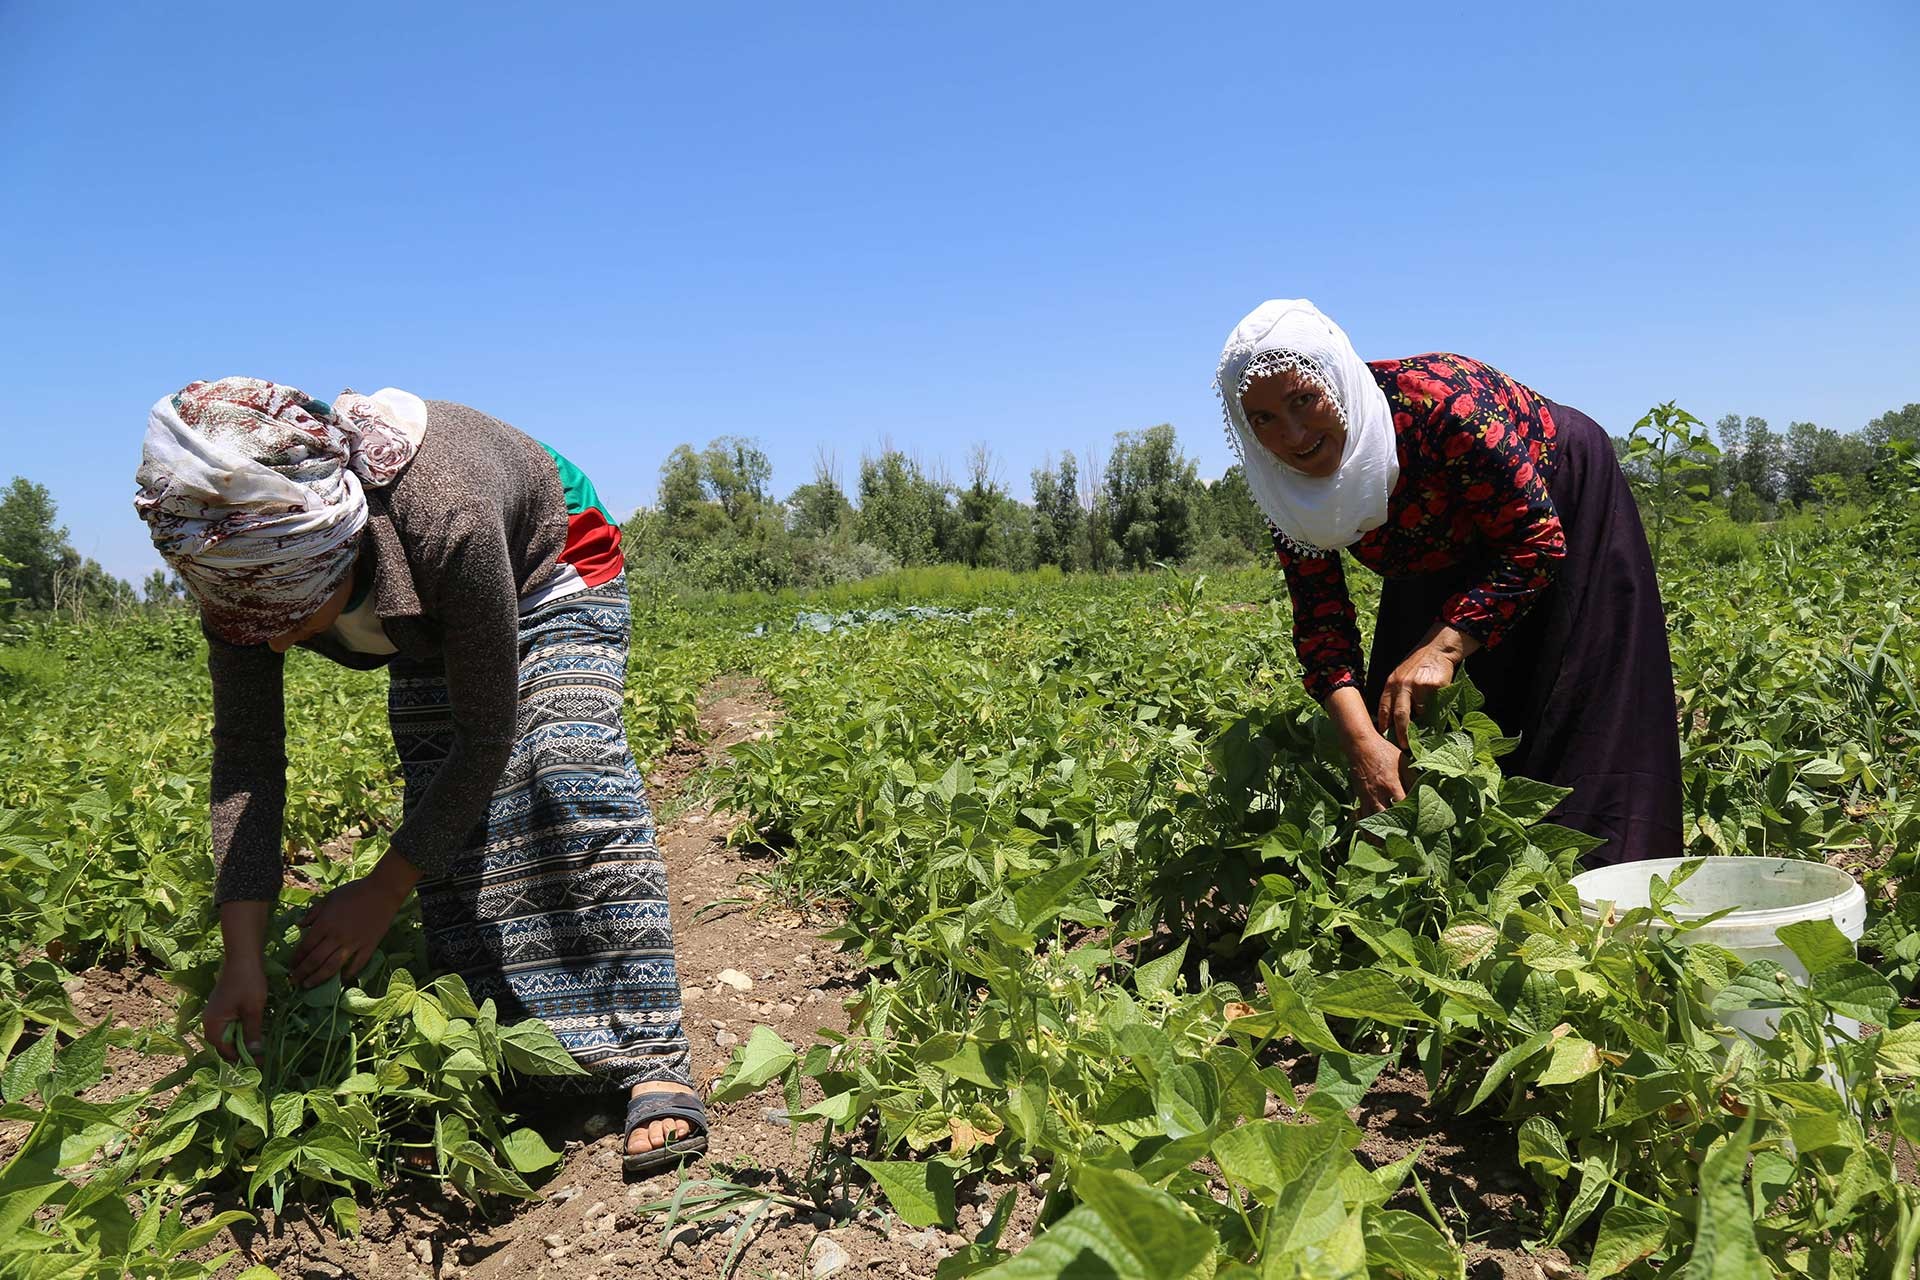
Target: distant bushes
<point x="1725" y="542"/>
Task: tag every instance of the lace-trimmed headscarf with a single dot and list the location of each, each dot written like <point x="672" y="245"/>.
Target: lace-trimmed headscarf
<point x="1314" y="514"/>
<point x="255" y="493"/>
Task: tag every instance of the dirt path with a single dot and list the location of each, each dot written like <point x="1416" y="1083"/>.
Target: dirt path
<point x="589" y="1222"/>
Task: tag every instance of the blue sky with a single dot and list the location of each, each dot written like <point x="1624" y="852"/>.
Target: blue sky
<point x="625" y="226"/>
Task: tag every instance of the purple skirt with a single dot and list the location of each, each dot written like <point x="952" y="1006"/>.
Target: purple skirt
<point x="1584" y="680"/>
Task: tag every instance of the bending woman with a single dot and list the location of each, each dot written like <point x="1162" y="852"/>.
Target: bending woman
<point x="1509" y="545"/>
<point x="478" y="566"/>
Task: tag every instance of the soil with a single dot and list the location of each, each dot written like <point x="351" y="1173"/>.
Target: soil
<point x="591" y="1223"/>
<point x="1471" y="1174"/>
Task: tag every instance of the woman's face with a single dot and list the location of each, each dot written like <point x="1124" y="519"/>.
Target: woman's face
<point x="1296" y="422"/>
<point x="314" y="625"/>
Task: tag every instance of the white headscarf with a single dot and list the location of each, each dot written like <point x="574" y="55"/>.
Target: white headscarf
<point x="255" y="493"/>
<point x="1315" y="514"/>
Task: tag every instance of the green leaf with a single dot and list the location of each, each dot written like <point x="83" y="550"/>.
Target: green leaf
<point x="1435" y="815"/>
<point x="1309" y="1210"/>
<point x="328" y="1147"/>
<point x="1898" y="1050"/>
<point x="1547" y="954"/>
<point x="1344" y="1078"/>
<point x="244" y="1101"/>
<point x="431" y="1019"/>
<point x="1595" y="1180"/>
<point x="764" y="1056"/>
<point x="485" y="1172"/>
<point x="1573" y="1059"/>
<point x="1628" y="1233"/>
<point x="1085" y="1246"/>
<point x="337" y="1152"/>
<point x="1186" y="1100"/>
<point x="275" y="1157"/>
<point x="1762" y="985"/>
<point x="921" y="1192"/>
<point x="531" y="1048"/>
<point x="527" y="1151"/>
<point x="956" y="779"/>
<point x="1156" y="977"/>
<point x="80" y="1065"/>
<point x="1267" y="1155"/>
<point x="1852" y="989"/>
<point x="287" y="1110"/>
<point x="986" y="1065"/>
<point x="1544" y="1148"/>
<point x="345" y="1214"/>
<point x="1817" y="944"/>
<point x="1504" y="1064"/>
<point x="203" y="1233"/>
<point x="1040" y="898"/>
<point x="1401" y="1244"/>
<point x="1148" y="1223"/>
<point x="1527" y="800"/>
<point x="1724" y="1244"/>
<point x="1367" y="993"/>
<point x="26" y="1074"/>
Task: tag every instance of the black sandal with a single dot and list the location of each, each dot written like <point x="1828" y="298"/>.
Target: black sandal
<point x="665" y="1104"/>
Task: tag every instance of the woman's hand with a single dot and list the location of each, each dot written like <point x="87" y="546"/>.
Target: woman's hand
<point x="239" y="995"/>
<point x="340" y="933"/>
<point x="1379" y="773"/>
<point x="1378" y="767"/>
<point x="1427" y="670"/>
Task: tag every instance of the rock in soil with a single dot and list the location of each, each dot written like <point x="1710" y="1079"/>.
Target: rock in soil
<point x="825" y="1257"/>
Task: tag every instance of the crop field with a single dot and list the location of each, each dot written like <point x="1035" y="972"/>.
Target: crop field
<point x="1125" y="983"/>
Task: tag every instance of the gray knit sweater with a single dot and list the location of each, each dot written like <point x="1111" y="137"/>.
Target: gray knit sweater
<point x="475" y="521"/>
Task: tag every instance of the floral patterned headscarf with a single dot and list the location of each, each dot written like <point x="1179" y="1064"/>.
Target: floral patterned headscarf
<point x="255" y="493"/>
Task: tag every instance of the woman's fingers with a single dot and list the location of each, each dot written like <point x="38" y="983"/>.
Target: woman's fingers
<point x="1402" y="712"/>
<point x="323" y="957"/>
<point x="253" y="1029"/>
<point x="214" y="1027"/>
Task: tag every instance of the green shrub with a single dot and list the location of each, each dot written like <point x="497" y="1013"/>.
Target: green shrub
<point x="27" y="667"/>
<point x="1724" y="542"/>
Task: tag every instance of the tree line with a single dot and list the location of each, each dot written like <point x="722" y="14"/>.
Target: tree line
<point x="716" y="523"/>
<point x="41" y="571"/>
<point x="1759" y="474"/>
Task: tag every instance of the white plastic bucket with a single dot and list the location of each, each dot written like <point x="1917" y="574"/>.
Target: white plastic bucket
<point x="1766" y="893"/>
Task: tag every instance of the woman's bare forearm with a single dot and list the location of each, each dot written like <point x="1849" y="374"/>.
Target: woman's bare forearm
<point x="1347" y="708"/>
<point x="243" y="929"/>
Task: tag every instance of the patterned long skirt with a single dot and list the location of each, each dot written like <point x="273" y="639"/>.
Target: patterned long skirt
<point x="556" y="905"/>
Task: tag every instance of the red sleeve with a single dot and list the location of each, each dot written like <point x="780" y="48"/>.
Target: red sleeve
<point x="1325" y="636"/>
<point x="1492" y="471"/>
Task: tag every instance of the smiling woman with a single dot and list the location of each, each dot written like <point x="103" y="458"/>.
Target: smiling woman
<point x="1510" y="546"/>
<point x="479" y="567"/>
<point x="1296" y="421"/>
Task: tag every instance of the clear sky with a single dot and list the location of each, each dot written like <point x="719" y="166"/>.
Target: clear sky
<point x="624" y="226"/>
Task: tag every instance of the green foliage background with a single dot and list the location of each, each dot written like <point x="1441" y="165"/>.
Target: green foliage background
<point x="1094" y="845"/>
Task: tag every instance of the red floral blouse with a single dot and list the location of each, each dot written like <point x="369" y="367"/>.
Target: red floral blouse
<point x="1476" y="452"/>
